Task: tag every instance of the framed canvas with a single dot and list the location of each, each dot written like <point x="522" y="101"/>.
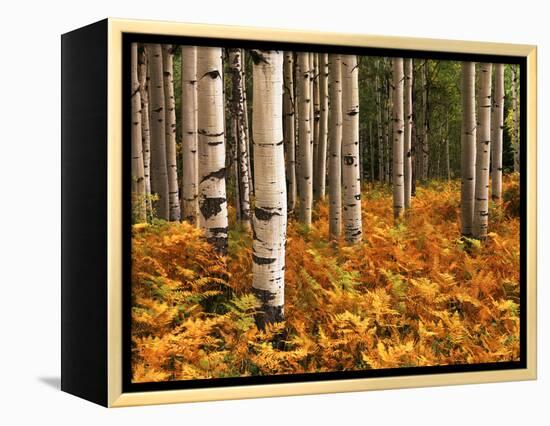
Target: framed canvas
<point x="254" y="212"/>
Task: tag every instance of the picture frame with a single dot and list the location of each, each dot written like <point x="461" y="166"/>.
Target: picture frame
<point x="96" y="251"/>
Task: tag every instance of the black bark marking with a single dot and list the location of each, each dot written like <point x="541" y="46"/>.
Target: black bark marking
<point x="212" y="74"/>
<point x="263" y="260"/>
<point x="218" y="174"/>
<point x="211" y="206"/>
<point x="266" y="214"/>
<point x="348" y="160"/>
<point x="205" y="133"/>
<point x="258" y="57"/>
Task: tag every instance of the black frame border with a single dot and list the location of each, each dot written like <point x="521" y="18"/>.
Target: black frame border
<point x="129" y="386"/>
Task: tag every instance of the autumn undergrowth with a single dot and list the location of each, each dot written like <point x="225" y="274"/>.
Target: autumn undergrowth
<point x="416" y="294"/>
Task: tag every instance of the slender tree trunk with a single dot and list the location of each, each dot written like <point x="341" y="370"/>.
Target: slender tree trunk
<point x="425" y="123"/>
<point x="289" y="129"/>
<point x="407" y="154"/>
<point x="497" y="126"/>
<point x="335" y="143"/>
<point x="398" y="139"/>
<point x="190" y="177"/>
<point x="350" y="149"/>
<point x="314" y="65"/>
<point x="483" y="147"/>
<point x="270" y="213"/>
<point x="246" y="125"/>
<point x="236" y="66"/>
<point x="468" y="148"/>
<point x="305" y="164"/>
<point x="159" y="175"/>
<point x="138" y="174"/>
<point x="145" y="125"/>
<point x="389" y="132"/>
<point x="380" y="137"/>
<point x="322" y="122"/>
<point x="371" y="144"/>
<point x="211" y="144"/>
<point x="515" y="118"/>
<point x="170" y="129"/>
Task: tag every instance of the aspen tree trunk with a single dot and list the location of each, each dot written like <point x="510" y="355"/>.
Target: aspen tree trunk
<point x="407" y="154"/>
<point x="190" y="177"/>
<point x="270" y="213"/>
<point x="335" y="143"/>
<point x="483" y="147"/>
<point x="398" y="139"/>
<point x="468" y="148"/>
<point x="322" y="122"/>
<point x="380" y="136"/>
<point x="447" y="156"/>
<point x="425" y="123"/>
<point x="305" y="164"/>
<point x="211" y="147"/>
<point x="497" y="128"/>
<point x="170" y="129"/>
<point x="389" y="131"/>
<point x="145" y="126"/>
<point x="159" y="175"/>
<point x="138" y="176"/>
<point x="289" y="129"/>
<point x="515" y="117"/>
<point x="371" y="144"/>
<point x="236" y="66"/>
<point x="246" y="126"/>
<point x="314" y="64"/>
<point x="350" y="149"/>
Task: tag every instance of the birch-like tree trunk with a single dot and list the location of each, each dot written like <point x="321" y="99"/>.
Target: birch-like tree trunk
<point x="379" y="130"/>
<point x="425" y="122"/>
<point x="159" y="175"/>
<point x="321" y="162"/>
<point x="305" y="162"/>
<point x="468" y="147"/>
<point x="289" y="129"/>
<point x="515" y="117"/>
<point x="145" y="124"/>
<point x="350" y="149"/>
<point x="236" y="66"/>
<point x="335" y="145"/>
<point x="246" y="125"/>
<point x="407" y="153"/>
<point x="270" y="212"/>
<point x="483" y="149"/>
<point x="190" y="165"/>
<point x="138" y="176"/>
<point x="211" y="147"/>
<point x="314" y="65"/>
<point x="170" y="129"/>
<point x="398" y="139"/>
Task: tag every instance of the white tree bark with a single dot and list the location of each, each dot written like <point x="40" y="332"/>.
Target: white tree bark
<point x="407" y="154"/>
<point x="159" y="175"/>
<point x="379" y="130"/>
<point x="145" y="125"/>
<point x="305" y="163"/>
<point x="398" y="139"/>
<point x="190" y="165"/>
<point x="270" y="213"/>
<point x="211" y="144"/>
<point x="236" y="66"/>
<point x="483" y="149"/>
<point x="497" y="129"/>
<point x="350" y="149"/>
<point x="425" y="122"/>
<point x="335" y="144"/>
<point x="289" y="129"/>
<point x="138" y="176"/>
<point x="170" y="129"/>
<point x="321" y="161"/>
<point x="468" y="148"/>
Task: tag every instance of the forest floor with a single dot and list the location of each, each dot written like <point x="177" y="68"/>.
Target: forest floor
<point x="416" y="294"/>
